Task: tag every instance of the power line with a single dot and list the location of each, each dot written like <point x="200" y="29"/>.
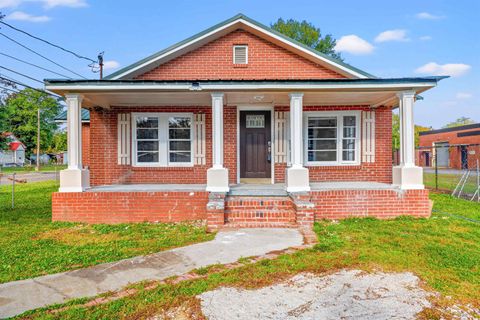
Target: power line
<point x="38" y="54"/>
<point x="8" y="89"/>
<point x="21" y="74"/>
<point x="6" y="78"/>
<point x="48" y="42"/>
<point x="34" y="65"/>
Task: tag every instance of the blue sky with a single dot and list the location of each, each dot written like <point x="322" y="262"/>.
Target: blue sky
<point x="385" y="38"/>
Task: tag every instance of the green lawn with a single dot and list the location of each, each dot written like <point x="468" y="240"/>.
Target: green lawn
<point x="31" y="245"/>
<point x="443" y="250"/>
<point x="43" y="168"/>
<point x="450" y="181"/>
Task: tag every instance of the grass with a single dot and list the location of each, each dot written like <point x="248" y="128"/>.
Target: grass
<point x="449" y="182"/>
<point x="43" y="168"/>
<point x="31" y="245"/>
<point x="443" y="251"/>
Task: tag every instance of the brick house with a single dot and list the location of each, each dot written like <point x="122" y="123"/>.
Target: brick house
<point x="456" y="148"/>
<point x="243" y="126"/>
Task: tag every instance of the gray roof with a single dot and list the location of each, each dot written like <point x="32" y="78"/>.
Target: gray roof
<point x="67" y="82"/>
<point x="62" y="117"/>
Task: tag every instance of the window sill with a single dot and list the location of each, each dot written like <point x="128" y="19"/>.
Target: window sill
<point x="159" y="168"/>
<point x="343" y="167"/>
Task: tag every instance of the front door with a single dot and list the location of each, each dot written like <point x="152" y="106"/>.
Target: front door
<point x="255" y="144"/>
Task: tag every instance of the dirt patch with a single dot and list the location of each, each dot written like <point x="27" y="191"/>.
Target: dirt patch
<point x="347" y="294"/>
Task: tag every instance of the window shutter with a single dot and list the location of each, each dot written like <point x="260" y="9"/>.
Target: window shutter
<point x="281" y="133"/>
<point x="368" y="136"/>
<point x="199" y="142"/>
<point x="123" y="139"/>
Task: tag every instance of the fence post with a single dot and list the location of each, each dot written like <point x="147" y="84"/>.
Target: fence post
<point x="436" y="167"/>
<point x="13" y="190"/>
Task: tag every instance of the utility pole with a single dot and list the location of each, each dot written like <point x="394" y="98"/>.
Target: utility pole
<point x="100" y="63"/>
<point x="37" y="168"/>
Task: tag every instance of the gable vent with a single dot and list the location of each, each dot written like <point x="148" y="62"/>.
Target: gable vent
<point x="240" y="54"/>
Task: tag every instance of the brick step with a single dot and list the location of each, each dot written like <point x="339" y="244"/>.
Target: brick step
<point x="262" y="203"/>
<point x="260" y="213"/>
<point x="260" y="225"/>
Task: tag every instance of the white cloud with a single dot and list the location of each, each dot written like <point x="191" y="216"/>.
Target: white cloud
<point x="48" y="4"/>
<point x="111" y="64"/>
<point x="9" y="3"/>
<point x="353" y="44"/>
<point x="464" y="95"/>
<point x="64" y="3"/>
<point x="392" y="35"/>
<point x="22" y="16"/>
<point x="425" y="38"/>
<point x="448" y="69"/>
<point x="428" y="16"/>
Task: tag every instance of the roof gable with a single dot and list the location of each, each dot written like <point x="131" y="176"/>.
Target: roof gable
<point x="237" y="22"/>
<point x="214" y="61"/>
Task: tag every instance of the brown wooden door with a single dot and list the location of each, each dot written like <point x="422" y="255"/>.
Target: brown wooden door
<point x="255" y="144"/>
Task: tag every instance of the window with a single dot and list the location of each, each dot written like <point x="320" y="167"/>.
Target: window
<point x="240" y="54"/>
<point x="332" y="138"/>
<point x="162" y="139"/>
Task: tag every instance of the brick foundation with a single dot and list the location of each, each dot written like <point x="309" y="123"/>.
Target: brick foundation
<point x="124" y="207"/>
<point x="383" y="204"/>
<point x="252" y="211"/>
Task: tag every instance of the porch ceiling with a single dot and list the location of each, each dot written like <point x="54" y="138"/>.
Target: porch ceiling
<point x="109" y="99"/>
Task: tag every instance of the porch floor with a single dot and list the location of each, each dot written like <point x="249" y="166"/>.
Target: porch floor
<point x="245" y="189"/>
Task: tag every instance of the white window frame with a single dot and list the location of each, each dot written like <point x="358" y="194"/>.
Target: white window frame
<point x="164" y="145"/>
<point x="339" y="115"/>
<point x="246" y="53"/>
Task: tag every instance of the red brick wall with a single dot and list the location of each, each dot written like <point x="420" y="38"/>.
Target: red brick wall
<point x="380" y="170"/>
<point x="230" y="142"/>
<point x="86" y="144"/>
<point x="104" y="168"/>
<point x="123" y="207"/>
<point x="340" y="204"/>
<point x="214" y="61"/>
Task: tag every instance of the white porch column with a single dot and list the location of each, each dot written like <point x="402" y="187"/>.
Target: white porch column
<point x="217" y="176"/>
<point x="296" y="178"/>
<point x="407" y="175"/>
<point x="74" y="178"/>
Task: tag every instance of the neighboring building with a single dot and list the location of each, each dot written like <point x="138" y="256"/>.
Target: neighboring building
<point x="239" y="125"/>
<point x="15" y="155"/>
<point x="62" y="118"/>
<point x="456" y="147"/>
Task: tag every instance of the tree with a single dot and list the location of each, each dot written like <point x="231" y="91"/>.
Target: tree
<point x="306" y="33"/>
<point x="396" y="132"/>
<point x="459" y="122"/>
<point x="20" y="117"/>
<point x="59" y="142"/>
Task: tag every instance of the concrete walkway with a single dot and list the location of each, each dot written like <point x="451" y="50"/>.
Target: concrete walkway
<point x="227" y="247"/>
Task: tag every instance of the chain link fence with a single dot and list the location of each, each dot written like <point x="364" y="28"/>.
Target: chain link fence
<point x="450" y="168"/>
<point x="14" y="183"/>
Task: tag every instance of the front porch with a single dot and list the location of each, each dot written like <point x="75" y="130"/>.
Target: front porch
<point x="244" y="205"/>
